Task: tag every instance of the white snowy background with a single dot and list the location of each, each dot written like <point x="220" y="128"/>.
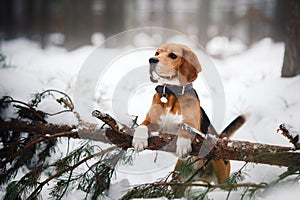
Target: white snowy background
<point x="252" y="85"/>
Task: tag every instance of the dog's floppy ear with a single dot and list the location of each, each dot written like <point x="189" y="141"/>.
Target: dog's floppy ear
<point x="190" y="66"/>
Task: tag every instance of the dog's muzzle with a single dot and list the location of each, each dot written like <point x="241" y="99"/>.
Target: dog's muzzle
<point x="153" y="62"/>
<point x="154" y="76"/>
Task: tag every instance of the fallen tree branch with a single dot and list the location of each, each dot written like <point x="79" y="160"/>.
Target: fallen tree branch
<point x="36" y="128"/>
<point x="223" y="149"/>
<point x="43" y="132"/>
<point x="49" y="131"/>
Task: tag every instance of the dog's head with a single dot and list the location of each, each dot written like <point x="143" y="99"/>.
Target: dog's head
<point x="174" y="64"/>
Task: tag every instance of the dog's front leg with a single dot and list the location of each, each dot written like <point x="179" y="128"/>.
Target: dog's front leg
<point x="183" y="144"/>
<point x="141" y="134"/>
<point x="184" y="140"/>
<point x="140" y="138"/>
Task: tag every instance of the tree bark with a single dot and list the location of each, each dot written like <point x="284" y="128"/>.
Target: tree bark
<point x="122" y="137"/>
<point x="291" y="63"/>
<point x="279" y="21"/>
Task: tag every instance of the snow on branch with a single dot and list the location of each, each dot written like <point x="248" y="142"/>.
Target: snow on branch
<point x="121" y="136"/>
<point x="223" y="148"/>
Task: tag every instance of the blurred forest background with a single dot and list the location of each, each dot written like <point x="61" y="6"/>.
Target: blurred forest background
<point x="73" y="23"/>
<point x="77" y="21"/>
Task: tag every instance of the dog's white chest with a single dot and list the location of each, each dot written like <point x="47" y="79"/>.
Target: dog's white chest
<point x="168" y="123"/>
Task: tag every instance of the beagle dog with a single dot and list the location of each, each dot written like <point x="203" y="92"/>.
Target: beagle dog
<point x="175" y="102"/>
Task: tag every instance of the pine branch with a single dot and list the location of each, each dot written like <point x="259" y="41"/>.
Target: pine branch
<point x="35" y="142"/>
<point x="171" y="187"/>
<point x="67" y="169"/>
<point x="45" y="132"/>
<point x="176" y="189"/>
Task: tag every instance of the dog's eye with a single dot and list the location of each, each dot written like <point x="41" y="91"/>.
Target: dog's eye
<point x="156" y="53"/>
<point x="172" y="55"/>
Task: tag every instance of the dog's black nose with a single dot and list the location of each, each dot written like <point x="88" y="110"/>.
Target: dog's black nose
<point x="153" y="60"/>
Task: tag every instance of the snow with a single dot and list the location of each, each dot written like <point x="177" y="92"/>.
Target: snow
<point x="223" y="47"/>
<point x="230" y="144"/>
<point x="251" y="81"/>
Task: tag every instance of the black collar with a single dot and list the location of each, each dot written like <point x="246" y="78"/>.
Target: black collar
<point x="176" y="90"/>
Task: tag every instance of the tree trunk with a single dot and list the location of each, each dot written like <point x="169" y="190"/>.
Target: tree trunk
<point x="78" y="23"/>
<point x="279" y="21"/>
<point x="114" y="17"/>
<point x="203" y="21"/>
<point x="291" y="63"/>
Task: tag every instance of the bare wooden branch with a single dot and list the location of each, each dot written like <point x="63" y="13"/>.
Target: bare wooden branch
<point x="284" y="130"/>
<point x="223" y="149"/>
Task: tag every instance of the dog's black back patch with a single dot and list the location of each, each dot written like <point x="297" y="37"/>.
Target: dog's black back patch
<point x="205" y="122"/>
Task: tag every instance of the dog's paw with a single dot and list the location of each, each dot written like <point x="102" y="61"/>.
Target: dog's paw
<point x="184" y="146"/>
<point x="140" y="138"/>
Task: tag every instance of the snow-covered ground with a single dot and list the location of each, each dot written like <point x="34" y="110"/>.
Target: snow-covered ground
<point x="251" y="81"/>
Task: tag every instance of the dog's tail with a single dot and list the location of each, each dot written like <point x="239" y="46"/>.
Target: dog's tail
<point x="207" y="127"/>
<point x="233" y="127"/>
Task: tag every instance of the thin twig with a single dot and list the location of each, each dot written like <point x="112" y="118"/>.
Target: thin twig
<point x="65" y="190"/>
<point x="29" y="107"/>
<point x="285" y="132"/>
<point x="60" y="92"/>
<point x="221" y="186"/>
